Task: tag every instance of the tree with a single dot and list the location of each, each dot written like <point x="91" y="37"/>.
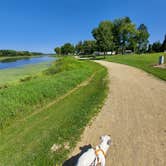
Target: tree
<point x="116" y="33"/>
<point x="132" y="43"/>
<point x="89" y="46"/>
<point x="142" y="38"/>
<point x="150" y="50"/>
<point x="157" y="46"/>
<point x="17" y="53"/>
<point x="164" y="44"/>
<point x="103" y="35"/>
<point x="57" y="50"/>
<point x="86" y="47"/>
<point x="119" y="36"/>
<point x="67" y="49"/>
<point x="125" y="33"/>
<point x="79" y="48"/>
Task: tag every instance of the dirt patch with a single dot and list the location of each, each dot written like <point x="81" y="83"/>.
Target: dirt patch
<point x="161" y="66"/>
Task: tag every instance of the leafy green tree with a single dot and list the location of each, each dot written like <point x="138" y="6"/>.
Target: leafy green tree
<point x="116" y="33"/>
<point x="17" y="53"/>
<point x="164" y="44"/>
<point x="89" y="46"/>
<point x="157" y="47"/>
<point x="103" y="35"/>
<point x="132" y="42"/>
<point x="79" y="48"/>
<point x="58" y="50"/>
<point x="142" y="38"/>
<point x="150" y="50"/>
<point x="86" y="47"/>
<point x="67" y="49"/>
<point x="125" y="33"/>
<point x="119" y="36"/>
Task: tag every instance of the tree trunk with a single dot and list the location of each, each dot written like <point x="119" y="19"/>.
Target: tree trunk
<point x="104" y="54"/>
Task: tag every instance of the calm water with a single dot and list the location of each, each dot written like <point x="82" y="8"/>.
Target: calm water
<point x="15" y="62"/>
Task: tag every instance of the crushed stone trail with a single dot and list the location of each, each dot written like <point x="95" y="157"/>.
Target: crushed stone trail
<point x="134" y="114"/>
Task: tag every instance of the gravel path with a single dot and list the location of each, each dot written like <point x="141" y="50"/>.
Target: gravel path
<point x="134" y="115"/>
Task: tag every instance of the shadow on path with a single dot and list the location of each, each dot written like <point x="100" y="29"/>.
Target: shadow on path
<point x="73" y="160"/>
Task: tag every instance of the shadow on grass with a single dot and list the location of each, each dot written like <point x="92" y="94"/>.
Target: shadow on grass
<point x="73" y="160"/>
<point x="92" y="57"/>
<point x="97" y="58"/>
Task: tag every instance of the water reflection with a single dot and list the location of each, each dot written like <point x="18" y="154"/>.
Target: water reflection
<point x="19" y="62"/>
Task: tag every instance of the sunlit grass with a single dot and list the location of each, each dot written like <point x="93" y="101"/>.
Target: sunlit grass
<point x="145" y="62"/>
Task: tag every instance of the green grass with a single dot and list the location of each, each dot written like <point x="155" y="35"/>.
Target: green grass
<point x="145" y="62"/>
<point x="28" y="142"/>
<point x="10" y="76"/>
<point x="36" y="93"/>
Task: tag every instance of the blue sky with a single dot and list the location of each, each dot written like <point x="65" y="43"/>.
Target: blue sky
<point x="40" y="25"/>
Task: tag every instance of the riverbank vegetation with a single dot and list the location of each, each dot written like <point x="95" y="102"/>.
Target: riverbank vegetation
<point x="52" y="109"/>
<point x="11" y="53"/>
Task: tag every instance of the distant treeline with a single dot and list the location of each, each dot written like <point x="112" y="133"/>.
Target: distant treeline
<point x="118" y="36"/>
<point x="18" y="53"/>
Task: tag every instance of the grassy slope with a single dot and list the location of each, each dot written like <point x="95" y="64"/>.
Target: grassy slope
<point x="13" y="75"/>
<point x="145" y="62"/>
<point x="28" y="142"/>
<point x="36" y="93"/>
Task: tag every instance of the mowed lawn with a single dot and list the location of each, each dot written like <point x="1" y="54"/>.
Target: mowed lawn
<point x="145" y="62"/>
<point x="14" y="75"/>
<point x="28" y="132"/>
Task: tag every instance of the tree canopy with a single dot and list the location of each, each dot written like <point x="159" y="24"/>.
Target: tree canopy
<point x="67" y="49"/>
<point x="125" y="35"/>
<point x="142" y="36"/>
<point x="156" y="47"/>
<point x="58" y="50"/>
<point x="164" y="44"/>
<point x="86" y="47"/>
<point x="103" y="35"/>
<point x="120" y="36"/>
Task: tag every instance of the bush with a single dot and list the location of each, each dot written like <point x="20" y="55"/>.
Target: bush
<point x="63" y="64"/>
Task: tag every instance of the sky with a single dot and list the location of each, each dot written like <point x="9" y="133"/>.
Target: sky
<point x="42" y="25"/>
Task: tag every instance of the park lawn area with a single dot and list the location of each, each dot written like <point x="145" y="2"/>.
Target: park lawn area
<point x="14" y="75"/>
<point x="145" y="62"/>
<point x="28" y="139"/>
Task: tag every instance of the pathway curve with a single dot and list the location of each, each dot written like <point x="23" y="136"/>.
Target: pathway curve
<point x="134" y="115"/>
